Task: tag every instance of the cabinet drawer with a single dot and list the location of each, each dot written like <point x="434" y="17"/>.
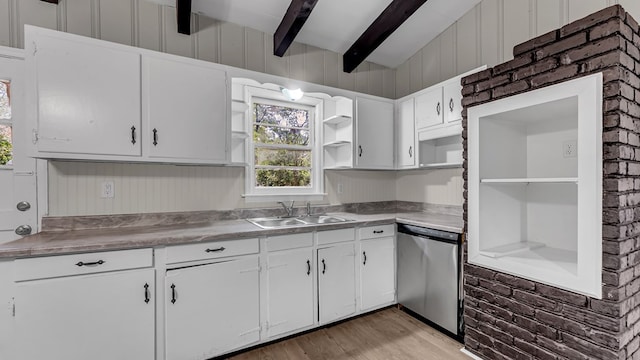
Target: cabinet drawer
<point x="372" y="232"/>
<point x="334" y="236"/>
<point x="211" y="250"/>
<point x="80" y="264"/>
<point x="293" y="241"/>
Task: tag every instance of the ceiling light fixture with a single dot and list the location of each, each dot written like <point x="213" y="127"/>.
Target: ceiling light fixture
<point x="292" y="95"/>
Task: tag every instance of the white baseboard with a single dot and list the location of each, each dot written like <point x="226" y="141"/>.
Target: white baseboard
<point x="469" y="354"/>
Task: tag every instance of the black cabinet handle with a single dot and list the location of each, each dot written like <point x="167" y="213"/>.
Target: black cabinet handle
<point x="308" y="267"/>
<point x="410" y="151"/>
<point x="133" y="135"/>
<point x="451" y="104"/>
<point x="173" y="293"/>
<point x="364" y="258"/>
<point x="146" y="293"/>
<point x="220" y="249"/>
<point x="95" y="263"/>
<point x="378" y="231"/>
<point x="438" y="108"/>
<point x="324" y="266"/>
<point x="155" y="137"/>
<point x="359" y="150"/>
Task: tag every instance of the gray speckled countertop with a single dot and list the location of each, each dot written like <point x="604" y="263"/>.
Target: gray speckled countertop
<point x="73" y="241"/>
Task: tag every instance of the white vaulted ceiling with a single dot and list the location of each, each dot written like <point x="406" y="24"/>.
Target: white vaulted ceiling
<point x="336" y="24"/>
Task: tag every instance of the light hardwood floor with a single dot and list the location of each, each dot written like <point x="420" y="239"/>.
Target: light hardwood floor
<point x="387" y="334"/>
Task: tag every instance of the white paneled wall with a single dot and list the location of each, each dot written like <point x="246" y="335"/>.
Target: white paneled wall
<point x="148" y="25"/>
<point x="433" y="186"/>
<point x="487" y="34"/>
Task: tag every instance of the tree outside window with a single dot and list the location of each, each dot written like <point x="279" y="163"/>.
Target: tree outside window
<point x="6" y="146"/>
<point x="282" y="140"/>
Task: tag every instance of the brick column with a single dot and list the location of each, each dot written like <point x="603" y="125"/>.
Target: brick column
<point x="513" y="318"/>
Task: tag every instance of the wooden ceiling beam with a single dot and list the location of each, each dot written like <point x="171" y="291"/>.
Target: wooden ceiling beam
<point x="51" y="1"/>
<point x="389" y="20"/>
<point x="183" y="11"/>
<point x="292" y="21"/>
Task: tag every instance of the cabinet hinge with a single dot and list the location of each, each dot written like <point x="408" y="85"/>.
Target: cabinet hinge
<point x="35" y="48"/>
<point x="13" y="307"/>
<point x="34" y="136"/>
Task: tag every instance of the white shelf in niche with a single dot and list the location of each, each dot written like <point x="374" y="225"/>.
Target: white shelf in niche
<point x="239" y="135"/>
<point x="534" y="212"/>
<point x="337" y="119"/>
<point x="444" y="165"/>
<point x="337" y="143"/>
<point x="570" y="180"/>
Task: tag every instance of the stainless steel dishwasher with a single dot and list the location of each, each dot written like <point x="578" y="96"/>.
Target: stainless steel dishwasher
<point x="429" y="276"/>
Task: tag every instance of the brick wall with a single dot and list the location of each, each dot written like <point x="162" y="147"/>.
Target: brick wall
<point x="512" y="318"/>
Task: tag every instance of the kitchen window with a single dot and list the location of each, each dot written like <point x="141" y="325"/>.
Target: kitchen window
<point x="6" y="144"/>
<point x="284" y="160"/>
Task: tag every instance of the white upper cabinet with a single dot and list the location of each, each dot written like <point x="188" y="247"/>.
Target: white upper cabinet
<point x="185" y="109"/>
<point x="84" y="95"/>
<point x="452" y="95"/>
<point x="374" y="138"/>
<point x="407" y="134"/>
<point x="429" y="108"/>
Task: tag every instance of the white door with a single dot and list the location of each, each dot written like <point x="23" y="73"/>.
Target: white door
<point x="290" y="291"/>
<point x="336" y="282"/>
<point x="453" y="99"/>
<point x="374" y="121"/>
<point x="185" y="109"/>
<point x="377" y="272"/>
<point x="17" y="174"/>
<point x="211" y="309"/>
<point x="429" y="108"/>
<point x="102" y="317"/>
<point x="407" y="136"/>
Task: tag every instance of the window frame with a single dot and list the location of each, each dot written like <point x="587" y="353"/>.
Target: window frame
<point x="315" y="107"/>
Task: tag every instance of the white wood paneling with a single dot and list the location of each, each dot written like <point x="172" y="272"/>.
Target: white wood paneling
<point x="632" y="7"/>
<point x="314" y="65"/>
<point x="433" y="186"/>
<point x="403" y="79"/>
<point x="467" y="42"/>
<point x="362" y="77"/>
<point x="581" y="8"/>
<point x="415" y="66"/>
<point x="296" y="60"/>
<point x="332" y="67"/>
<point x="548" y="15"/>
<point x="149" y="23"/>
<point x="232" y="45"/>
<point x="34" y="12"/>
<point x="448" y="53"/>
<point x="517" y="27"/>
<point x="431" y="63"/>
<point x="490" y="32"/>
<point x="78" y="17"/>
<point x="6" y="29"/>
<point x="254" y="50"/>
<point x="173" y="42"/>
<point x="116" y="21"/>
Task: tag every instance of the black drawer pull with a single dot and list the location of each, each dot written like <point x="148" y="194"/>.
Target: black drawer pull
<point x="146" y="293"/>
<point x="155" y="137"/>
<point x="173" y="293"/>
<point x="324" y="266"/>
<point x="308" y="267"/>
<point x="95" y="263"/>
<point x="133" y="135"/>
<point x="364" y="256"/>
<point x="222" y="248"/>
<point x="378" y="231"/>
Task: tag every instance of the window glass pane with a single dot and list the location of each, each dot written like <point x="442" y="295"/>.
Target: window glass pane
<point x="5" y="104"/>
<point x="6" y="145"/>
<point x="278" y="135"/>
<point x="280" y="115"/>
<point x="270" y="178"/>
<point x="282" y="157"/>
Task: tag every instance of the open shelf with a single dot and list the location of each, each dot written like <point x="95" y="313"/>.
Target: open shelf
<point x="337" y="119"/>
<point x="337" y="133"/>
<point x="440" y="152"/>
<point x="441" y="165"/>
<point x="534" y="208"/>
<point x="337" y="143"/>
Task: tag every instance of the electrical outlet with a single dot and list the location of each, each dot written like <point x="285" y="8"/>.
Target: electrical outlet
<point x="108" y="190"/>
<point x="570" y="148"/>
<point x="340" y="188"/>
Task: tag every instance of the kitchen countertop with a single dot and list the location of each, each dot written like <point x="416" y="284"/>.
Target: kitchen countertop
<point x="74" y="241"/>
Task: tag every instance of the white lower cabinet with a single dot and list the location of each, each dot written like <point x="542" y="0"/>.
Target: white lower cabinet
<point x="289" y="291"/>
<point x="336" y="282"/>
<point x="377" y="272"/>
<point x="99" y="316"/>
<point x="211" y="309"/>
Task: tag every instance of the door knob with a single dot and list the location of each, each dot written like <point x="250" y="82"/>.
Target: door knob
<point x="23" y="230"/>
<point x="23" y="206"/>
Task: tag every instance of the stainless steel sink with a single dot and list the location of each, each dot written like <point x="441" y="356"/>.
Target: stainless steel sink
<point x="278" y="222"/>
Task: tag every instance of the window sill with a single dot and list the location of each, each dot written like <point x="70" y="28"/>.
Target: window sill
<point x="283" y="197"/>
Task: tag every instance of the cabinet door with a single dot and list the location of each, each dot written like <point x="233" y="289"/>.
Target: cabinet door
<point x="453" y="101"/>
<point x="374" y="134"/>
<point x="407" y="136"/>
<point x="289" y="291"/>
<point x="103" y="316"/>
<point x="429" y="108"/>
<point x="88" y="97"/>
<point x="185" y="110"/>
<point x="211" y="309"/>
<point x="377" y="272"/>
<point x="336" y="282"/>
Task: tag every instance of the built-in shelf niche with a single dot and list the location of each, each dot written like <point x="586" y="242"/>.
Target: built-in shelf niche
<point x="535" y="185"/>
<point x="337" y="128"/>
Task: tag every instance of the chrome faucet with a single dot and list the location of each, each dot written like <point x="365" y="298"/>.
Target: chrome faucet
<point x="308" y="208"/>
<point x="288" y="209"/>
